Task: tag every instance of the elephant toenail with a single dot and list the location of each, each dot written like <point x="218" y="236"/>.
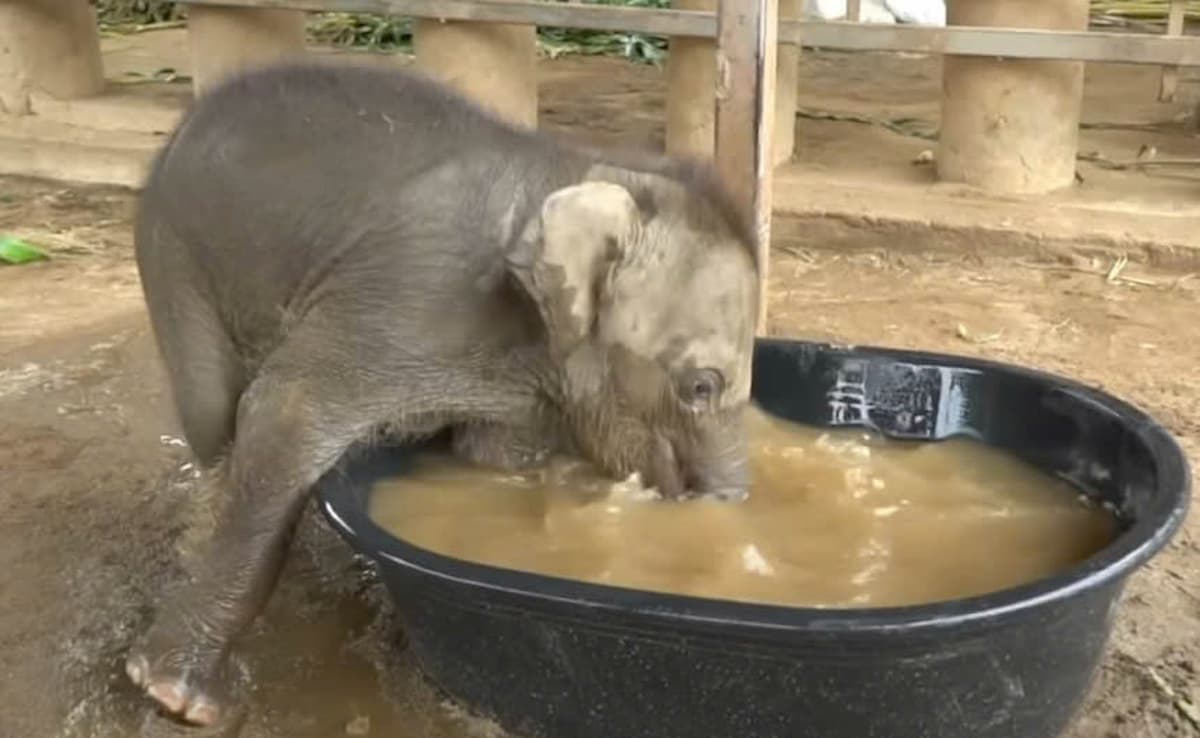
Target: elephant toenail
<point x="168" y="695"/>
<point x="136" y="669"/>
<point x="202" y="712"/>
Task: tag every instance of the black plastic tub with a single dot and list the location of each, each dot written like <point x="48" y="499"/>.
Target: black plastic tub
<point x="556" y="658"/>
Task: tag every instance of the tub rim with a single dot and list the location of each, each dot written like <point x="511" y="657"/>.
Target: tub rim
<point x="340" y="500"/>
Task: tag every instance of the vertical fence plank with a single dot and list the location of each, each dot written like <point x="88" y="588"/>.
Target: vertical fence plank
<point x="746" y="59"/>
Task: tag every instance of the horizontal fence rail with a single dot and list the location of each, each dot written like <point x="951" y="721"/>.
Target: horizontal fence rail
<point x="1016" y="43"/>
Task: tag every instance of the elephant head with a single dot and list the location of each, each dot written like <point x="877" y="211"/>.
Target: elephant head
<point x="647" y="286"/>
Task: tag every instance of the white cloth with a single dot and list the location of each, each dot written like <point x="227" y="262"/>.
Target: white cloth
<point x="921" y="12"/>
<point x="924" y="12"/>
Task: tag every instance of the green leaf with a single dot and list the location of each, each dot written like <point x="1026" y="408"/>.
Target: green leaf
<point x="15" y="251"/>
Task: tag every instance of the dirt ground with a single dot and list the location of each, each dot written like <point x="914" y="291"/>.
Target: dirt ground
<point x="95" y="485"/>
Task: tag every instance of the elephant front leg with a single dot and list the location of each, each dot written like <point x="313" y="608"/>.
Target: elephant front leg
<point x="289" y="432"/>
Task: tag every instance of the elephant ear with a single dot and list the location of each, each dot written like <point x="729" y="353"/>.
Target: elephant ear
<point x="565" y="253"/>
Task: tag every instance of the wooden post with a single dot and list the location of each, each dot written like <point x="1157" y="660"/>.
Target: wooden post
<point x="227" y="40"/>
<point x="1011" y="126"/>
<point x="1169" y="82"/>
<point x="746" y="66"/>
<point x="48" y="46"/>
<point x="494" y="64"/>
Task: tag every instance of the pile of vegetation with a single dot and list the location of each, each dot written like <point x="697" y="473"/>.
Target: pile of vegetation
<point x="1145" y="10"/>
<point x="117" y="14"/>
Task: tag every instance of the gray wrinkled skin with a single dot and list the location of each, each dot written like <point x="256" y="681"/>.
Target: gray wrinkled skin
<point x="333" y="253"/>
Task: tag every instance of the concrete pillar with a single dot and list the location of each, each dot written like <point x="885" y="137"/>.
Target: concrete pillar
<point x="226" y="40"/>
<point x="691" y="90"/>
<point x="494" y="64"/>
<point x="1011" y="126"/>
<point x="48" y="46"/>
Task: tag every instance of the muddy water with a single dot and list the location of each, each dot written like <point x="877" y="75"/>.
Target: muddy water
<point x="840" y="519"/>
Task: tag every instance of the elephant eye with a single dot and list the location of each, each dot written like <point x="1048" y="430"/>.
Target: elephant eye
<point x="702" y="386"/>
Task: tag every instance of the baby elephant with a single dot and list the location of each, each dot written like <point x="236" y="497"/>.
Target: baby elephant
<point x="332" y="253"/>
